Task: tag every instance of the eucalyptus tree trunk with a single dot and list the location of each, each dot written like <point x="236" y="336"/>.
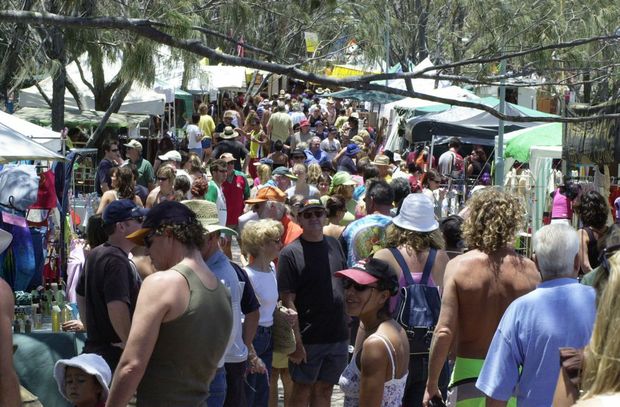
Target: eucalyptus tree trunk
<point x="11" y="56"/>
<point x="56" y="51"/>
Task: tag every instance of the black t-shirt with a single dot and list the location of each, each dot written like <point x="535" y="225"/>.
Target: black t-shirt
<point x="307" y="269"/>
<point x="103" y="175"/>
<point x="233" y="147"/>
<point x="108" y="276"/>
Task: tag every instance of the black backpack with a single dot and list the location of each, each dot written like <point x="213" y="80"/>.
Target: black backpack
<point x="418" y="305"/>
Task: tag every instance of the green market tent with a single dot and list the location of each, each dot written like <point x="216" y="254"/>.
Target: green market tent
<point x="366" y="96"/>
<point x="521" y="141"/>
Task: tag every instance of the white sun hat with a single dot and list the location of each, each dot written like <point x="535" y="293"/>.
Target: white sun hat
<point x="90" y="363"/>
<point x="417" y="213"/>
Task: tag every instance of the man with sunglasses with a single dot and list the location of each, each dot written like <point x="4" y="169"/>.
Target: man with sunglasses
<point x="310" y="288"/>
<point x="108" y="288"/>
<point x="111" y="159"/>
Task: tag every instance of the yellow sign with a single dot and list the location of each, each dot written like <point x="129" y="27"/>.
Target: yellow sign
<point x="312" y="41"/>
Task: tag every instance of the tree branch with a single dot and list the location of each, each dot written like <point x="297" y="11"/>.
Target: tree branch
<point x="145" y="29"/>
<point x="82" y="77"/>
<point x="70" y="85"/>
<point x="236" y="42"/>
<point x="43" y="95"/>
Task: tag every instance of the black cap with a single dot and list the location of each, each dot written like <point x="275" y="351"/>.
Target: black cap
<point x="311" y="203"/>
<point x="298" y="152"/>
<point x="121" y="210"/>
<point x="167" y="212"/>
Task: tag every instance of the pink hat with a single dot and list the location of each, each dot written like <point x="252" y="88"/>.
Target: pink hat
<point x="304" y="123"/>
<point x="369" y="271"/>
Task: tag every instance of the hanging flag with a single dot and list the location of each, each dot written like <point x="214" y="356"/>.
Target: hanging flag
<point x="312" y="41"/>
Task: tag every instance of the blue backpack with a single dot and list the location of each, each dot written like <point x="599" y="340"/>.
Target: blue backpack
<point x="418" y="305"/>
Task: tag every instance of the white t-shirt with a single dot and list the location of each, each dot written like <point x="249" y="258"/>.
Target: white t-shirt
<point x="220" y="203"/>
<point x="193" y="132"/>
<point x="266" y="290"/>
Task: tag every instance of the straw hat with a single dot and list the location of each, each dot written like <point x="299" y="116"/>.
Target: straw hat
<point x="381" y="159"/>
<point x="206" y="214"/>
<point x="229" y="133"/>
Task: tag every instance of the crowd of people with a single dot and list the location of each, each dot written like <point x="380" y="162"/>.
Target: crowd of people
<point x="331" y="227"/>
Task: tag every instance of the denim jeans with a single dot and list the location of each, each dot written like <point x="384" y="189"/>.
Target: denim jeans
<point x="217" y="389"/>
<point x="257" y="385"/>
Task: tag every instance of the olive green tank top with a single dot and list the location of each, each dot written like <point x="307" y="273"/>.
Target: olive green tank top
<point x="188" y="348"/>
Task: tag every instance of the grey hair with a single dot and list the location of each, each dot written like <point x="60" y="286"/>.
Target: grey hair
<point x="555" y="247"/>
<point x="314" y="139"/>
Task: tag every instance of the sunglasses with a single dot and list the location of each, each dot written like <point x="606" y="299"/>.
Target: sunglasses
<point x="348" y="283"/>
<point x="162" y="179"/>
<point x="310" y="214"/>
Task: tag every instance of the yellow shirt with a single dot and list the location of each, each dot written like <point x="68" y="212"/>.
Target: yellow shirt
<point x="206" y="125"/>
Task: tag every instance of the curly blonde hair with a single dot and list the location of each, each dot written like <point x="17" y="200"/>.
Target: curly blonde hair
<point x="495" y="218"/>
<point x="314" y="172"/>
<point x="256" y="234"/>
<point x="602" y="355"/>
<point x="413" y="241"/>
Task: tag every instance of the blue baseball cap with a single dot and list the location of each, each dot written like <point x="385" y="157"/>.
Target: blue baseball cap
<point x="352" y="149"/>
<point x="121" y="210"/>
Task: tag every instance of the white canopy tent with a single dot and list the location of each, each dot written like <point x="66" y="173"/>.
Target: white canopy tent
<point x="16" y="145"/>
<point x="42" y="135"/>
<point x="140" y="99"/>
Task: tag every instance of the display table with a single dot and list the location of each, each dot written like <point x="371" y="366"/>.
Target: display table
<point x="34" y="361"/>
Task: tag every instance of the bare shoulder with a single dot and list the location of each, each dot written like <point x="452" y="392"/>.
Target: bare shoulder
<point x="383" y="254"/>
<point x="163" y="283"/>
<point x="478" y="264"/>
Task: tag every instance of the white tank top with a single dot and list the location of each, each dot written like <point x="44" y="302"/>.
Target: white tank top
<point x="393" y="390"/>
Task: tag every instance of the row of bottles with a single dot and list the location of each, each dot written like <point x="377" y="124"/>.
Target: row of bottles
<point x="47" y="303"/>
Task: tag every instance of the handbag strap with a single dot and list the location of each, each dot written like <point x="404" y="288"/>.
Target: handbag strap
<point x="428" y="266"/>
<point x="403" y="265"/>
<point x="430" y="261"/>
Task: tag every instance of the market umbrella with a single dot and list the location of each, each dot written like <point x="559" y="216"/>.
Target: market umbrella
<point x="521" y="141"/>
<point x="15" y="146"/>
<point x="373" y="96"/>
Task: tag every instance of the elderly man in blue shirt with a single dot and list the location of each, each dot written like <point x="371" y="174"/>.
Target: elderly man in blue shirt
<point x="524" y="358"/>
<point x="314" y="154"/>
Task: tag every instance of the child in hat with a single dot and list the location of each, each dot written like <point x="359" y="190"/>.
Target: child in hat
<point x="83" y="380"/>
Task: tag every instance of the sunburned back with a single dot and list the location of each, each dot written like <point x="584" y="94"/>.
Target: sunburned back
<point x="485" y="286"/>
